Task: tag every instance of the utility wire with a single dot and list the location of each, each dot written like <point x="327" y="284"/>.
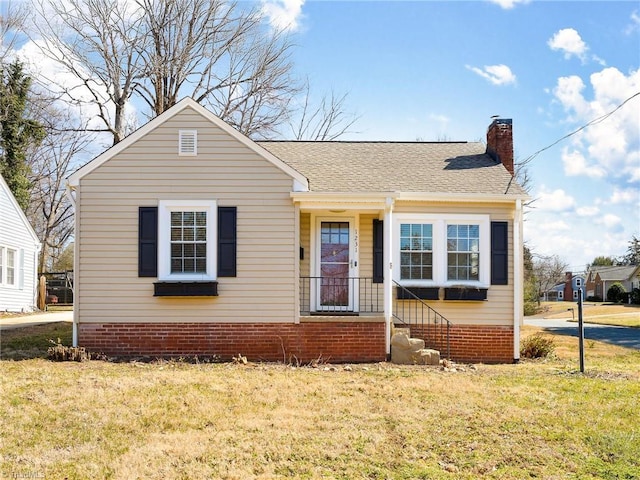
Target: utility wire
<point x="586" y="125"/>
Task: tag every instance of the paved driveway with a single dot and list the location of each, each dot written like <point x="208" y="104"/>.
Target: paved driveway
<point x="16" y="321"/>
<point x="622" y="336"/>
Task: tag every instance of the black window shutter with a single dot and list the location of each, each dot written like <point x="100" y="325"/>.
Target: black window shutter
<point x="227" y="219"/>
<point x="499" y="253"/>
<point x="378" y="251"/>
<point x="148" y="242"/>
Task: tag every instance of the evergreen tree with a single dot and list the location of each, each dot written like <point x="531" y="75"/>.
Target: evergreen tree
<point x="17" y="132"/>
<point x="633" y="252"/>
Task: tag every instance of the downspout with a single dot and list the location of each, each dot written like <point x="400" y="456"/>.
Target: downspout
<point x="70" y="191"/>
<point x="518" y="279"/>
<point x="388" y="272"/>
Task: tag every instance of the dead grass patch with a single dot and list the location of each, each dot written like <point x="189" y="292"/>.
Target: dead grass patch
<point x="173" y="420"/>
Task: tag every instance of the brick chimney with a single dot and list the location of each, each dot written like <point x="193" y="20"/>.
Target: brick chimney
<point x="568" y="286"/>
<point x="500" y="142"/>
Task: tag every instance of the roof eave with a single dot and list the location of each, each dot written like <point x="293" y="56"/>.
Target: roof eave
<point x="376" y="197"/>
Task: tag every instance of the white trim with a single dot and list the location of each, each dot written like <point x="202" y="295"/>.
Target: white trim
<point x="309" y="199"/>
<point x="518" y="278"/>
<point x="74" y="178"/>
<point x="440" y="222"/>
<point x="354" y="259"/>
<point x="387" y="270"/>
<point x="165" y="207"/>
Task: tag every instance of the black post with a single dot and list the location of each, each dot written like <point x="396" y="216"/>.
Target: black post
<point x="580" y="331"/>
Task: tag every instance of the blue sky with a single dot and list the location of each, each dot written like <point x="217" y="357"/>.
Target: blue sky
<point x="434" y="70"/>
<point x="439" y="70"/>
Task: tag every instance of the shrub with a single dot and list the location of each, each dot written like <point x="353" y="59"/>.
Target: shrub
<point x="530" y="308"/>
<point x="537" y="346"/>
<point x="615" y="293"/>
<point x="635" y="296"/>
<point x="594" y="298"/>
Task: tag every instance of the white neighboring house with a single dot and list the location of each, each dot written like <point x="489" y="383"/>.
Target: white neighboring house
<point x="19" y="248"/>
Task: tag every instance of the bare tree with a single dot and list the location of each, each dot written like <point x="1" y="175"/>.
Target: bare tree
<point x="12" y="21"/>
<point x="99" y="43"/>
<point x="548" y="272"/>
<point x="50" y="211"/>
<point x="327" y="121"/>
<point x="220" y="55"/>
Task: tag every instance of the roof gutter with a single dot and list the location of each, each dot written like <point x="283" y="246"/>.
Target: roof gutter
<point x="381" y="197"/>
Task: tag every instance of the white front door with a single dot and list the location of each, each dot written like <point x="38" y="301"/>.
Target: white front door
<point x="336" y="267"/>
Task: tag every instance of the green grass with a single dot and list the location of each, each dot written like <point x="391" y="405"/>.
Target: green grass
<point x="171" y="420"/>
<point x="33" y="342"/>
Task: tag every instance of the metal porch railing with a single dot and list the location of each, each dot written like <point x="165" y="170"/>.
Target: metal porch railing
<point x="423" y="321"/>
<point x="335" y="295"/>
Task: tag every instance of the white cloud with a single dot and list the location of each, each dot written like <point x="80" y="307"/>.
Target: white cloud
<point x="568" y="41"/>
<point x="556" y="201"/>
<point x="283" y="14"/>
<point x="557" y="226"/>
<point x="610" y="221"/>
<point x="587" y="211"/>
<point x="496" y="74"/>
<point x="509" y="4"/>
<point x="610" y="146"/>
<point x="575" y="164"/>
<point x="625" y="196"/>
<point x="635" y="23"/>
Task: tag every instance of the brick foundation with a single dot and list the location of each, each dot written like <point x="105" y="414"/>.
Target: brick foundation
<point x="473" y="343"/>
<point x="333" y="341"/>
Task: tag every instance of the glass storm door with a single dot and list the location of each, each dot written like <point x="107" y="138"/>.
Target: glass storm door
<point x="334" y="286"/>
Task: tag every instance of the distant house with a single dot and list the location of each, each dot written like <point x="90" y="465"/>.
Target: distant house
<point x="600" y="279"/>
<point x="192" y="239"/>
<point x="19" y="248"/>
<point x="568" y="290"/>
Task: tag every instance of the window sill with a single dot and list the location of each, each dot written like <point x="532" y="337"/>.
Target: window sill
<point x="465" y="293"/>
<point x="185" y="289"/>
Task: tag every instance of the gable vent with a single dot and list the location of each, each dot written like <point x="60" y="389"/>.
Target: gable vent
<point x="188" y="142"/>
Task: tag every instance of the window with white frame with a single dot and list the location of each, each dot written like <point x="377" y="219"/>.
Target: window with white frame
<point x="463" y="252"/>
<point x="8" y="267"/>
<point x="578" y="282"/>
<point x="187" y="240"/>
<point x="416" y="251"/>
<point x="442" y="250"/>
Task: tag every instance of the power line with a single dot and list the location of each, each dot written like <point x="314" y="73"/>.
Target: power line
<point x="586" y="125"/>
<point x="592" y="122"/>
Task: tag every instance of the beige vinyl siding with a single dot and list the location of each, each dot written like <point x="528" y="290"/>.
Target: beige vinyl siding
<point x="498" y="309"/>
<point x="151" y="170"/>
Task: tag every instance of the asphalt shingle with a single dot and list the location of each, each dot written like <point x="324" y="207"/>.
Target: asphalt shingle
<point x="412" y="167"/>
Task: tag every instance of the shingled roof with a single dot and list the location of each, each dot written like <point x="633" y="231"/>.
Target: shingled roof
<point x="412" y="167"/>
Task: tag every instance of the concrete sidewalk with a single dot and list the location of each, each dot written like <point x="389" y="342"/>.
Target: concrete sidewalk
<point x="9" y="322"/>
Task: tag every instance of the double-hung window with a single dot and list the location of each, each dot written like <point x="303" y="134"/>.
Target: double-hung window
<point x="416" y="251"/>
<point x="463" y="252"/>
<point x="8" y="267"/>
<point x="442" y="250"/>
<point x="187" y="240"/>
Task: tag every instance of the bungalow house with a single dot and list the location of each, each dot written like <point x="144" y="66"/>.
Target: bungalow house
<point x="192" y="239"/>
<point x="568" y="290"/>
<point x="19" y="248"/>
<point x="600" y="279"/>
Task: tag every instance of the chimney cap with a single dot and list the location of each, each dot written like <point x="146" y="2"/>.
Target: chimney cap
<point x="501" y="121"/>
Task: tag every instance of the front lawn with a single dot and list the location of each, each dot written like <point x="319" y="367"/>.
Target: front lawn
<point x="166" y="420"/>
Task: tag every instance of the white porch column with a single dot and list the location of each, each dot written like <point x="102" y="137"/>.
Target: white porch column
<point x="518" y="279"/>
<point x="388" y="271"/>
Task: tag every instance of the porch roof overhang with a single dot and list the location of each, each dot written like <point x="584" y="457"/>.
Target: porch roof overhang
<point x="380" y="200"/>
